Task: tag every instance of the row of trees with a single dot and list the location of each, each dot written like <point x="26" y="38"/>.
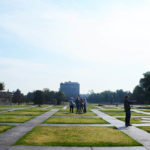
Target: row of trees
<point x="39" y="97"/>
<point x="108" y="97"/>
<point x="141" y="92"/>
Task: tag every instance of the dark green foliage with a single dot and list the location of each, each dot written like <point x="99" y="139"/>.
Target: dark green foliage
<point x="141" y="92"/>
<point x="2" y="86"/>
<point x="18" y="97"/>
<point x="46" y="97"/>
<point x="38" y="97"/>
<point x="108" y="97"/>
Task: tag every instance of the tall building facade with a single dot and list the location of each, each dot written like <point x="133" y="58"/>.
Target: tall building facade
<point x="71" y="89"/>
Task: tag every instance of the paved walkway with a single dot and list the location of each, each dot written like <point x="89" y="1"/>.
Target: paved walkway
<point x="11" y="136"/>
<point x="139" y="135"/>
<point x="139" y="111"/>
<point x="73" y="148"/>
<point x="14" y="109"/>
<point x="87" y="125"/>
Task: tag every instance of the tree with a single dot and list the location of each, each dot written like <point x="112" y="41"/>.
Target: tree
<point x="18" y="97"/>
<point x="2" y="86"/>
<point x="60" y="97"/>
<point x="138" y="95"/>
<point x="145" y="85"/>
<point x="38" y="98"/>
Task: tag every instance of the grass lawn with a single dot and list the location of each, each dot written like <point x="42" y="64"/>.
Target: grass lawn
<point x="76" y="136"/>
<point x="123" y="114"/>
<point x="116" y="111"/>
<point x="1" y="109"/>
<point x="133" y="120"/>
<point x="146" y="128"/>
<point x="34" y="110"/>
<point x="14" y="119"/>
<point x="75" y="120"/>
<point x="147" y="110"/>
<point x="4" y="128"/>
<point x="67" y="113"/>
<point x="22" y="113"/>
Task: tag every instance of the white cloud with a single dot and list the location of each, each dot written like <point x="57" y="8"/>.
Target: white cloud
<point x="120" y="39"/>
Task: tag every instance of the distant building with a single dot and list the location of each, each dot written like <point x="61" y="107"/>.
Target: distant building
<point x="71" y="89"/>
<point x="5" y="98"/>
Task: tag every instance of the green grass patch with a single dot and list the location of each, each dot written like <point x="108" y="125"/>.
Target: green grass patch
<point x="18" y="113"/>
<point x="123" y="114"/>
<point x="1" y="109"/>
<point x="14" y="119"/>
<point x="133" y="120"/>
<point x="116" y="111"/>
<point x="67" y="113"/>
<point x="76" y="136"/>
<point x="34" y="110"/>
<point x="147" y="110"/>
<point x="75" y="120"/>
<point x="145" y="128"/>
<point x="4" y="128"/>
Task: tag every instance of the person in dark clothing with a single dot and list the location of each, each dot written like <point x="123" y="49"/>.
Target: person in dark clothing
<point x="71" y="105"/>
<point x="127" y="108"/>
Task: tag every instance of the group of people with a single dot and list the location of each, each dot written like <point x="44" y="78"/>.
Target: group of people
<point x="79" y="103"/>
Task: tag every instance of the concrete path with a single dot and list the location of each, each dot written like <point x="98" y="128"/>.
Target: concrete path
<point x="11" y="136"/>
<point x="139" y="135"/>
<point x="74" y="148"/>
<point x="71" y="125"/>
<point x="11" y="124"/>
<point x="75" y="116"/>
<point x="139" y="111"/>
<point x="10" y="110"/>
<point x="64" y="108"/>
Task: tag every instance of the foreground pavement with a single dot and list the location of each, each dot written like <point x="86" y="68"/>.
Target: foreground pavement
<point x="11" y="136"/>
<point x="73" y="148"/>
<point x="139" y="135"/>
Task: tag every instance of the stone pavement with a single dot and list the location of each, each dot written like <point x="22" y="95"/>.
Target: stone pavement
<point x="85" y="125"/>
<point x="139" y="135"/>
<point x="10" y="110"/>
<point x="139" y="111"/>
<point x="11" y="136"/>
<point x="73" y="148"/>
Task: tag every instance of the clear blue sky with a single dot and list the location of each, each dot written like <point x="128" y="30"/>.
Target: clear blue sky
<point x="103" y="45"/>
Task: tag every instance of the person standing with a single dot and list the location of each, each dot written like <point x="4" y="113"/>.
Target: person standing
<point x="77" y="102"/>
<point x="84" y="105"/>
<point x="71" y="104"/>
<point x="127" y="109"/>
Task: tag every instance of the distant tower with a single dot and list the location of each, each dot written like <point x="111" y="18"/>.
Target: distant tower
<point x="71" y="89"/>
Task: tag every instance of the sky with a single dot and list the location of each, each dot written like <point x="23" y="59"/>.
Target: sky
<point x="103" y="45"/>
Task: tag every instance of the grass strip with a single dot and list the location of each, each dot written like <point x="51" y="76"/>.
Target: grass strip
<point x="133" y="120"/>
<point x="145" y="128"/>
<point x="14" y="119"/>
<point x="4" y="128"/>
<point x="77" y="120"/>
<point x="76" y="136"/>
<point x="23" y="113"/>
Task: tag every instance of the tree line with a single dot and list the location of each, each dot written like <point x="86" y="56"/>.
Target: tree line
<point x="39" y="97"/>
<point x="140" y="94"/>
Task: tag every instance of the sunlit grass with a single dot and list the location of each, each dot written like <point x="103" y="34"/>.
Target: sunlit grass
<point x="35" y="110"/>
<point x="22" y="113"/>
<point x="133" y="120"/>
<point x="76" y="136"/>
<point x="146" y="128"/>
<point x="14" y="119"/>
<point x="4" y="128"/>
<point x="75" y="120"/>
<point x="123" y="114"/>
<point x="67" y="113"/>
<point x="1" y="109"/>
